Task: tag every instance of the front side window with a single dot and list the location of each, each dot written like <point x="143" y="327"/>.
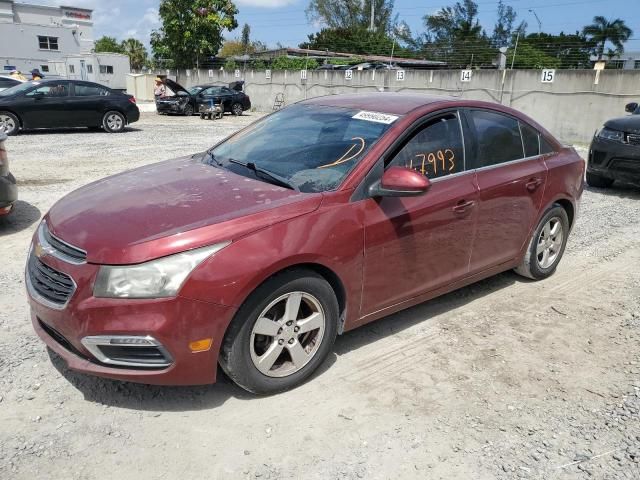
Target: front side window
<point x="498" y="137"/>
<point x="312" y="147"/>
<point x="436" y="150"/>
<point x="50" y="90"/>
<point x="48" y="43"/>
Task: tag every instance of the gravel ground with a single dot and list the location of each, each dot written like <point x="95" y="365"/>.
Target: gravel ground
<point x="503" y="379"/>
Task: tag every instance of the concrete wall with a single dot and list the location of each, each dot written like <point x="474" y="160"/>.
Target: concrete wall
<point x="572" y="107"/>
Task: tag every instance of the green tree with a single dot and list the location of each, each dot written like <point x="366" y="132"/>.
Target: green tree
<point x="107" y="45"/>
<point x="572" y="50"/>
<point x="527" y="56"/>
<point x="192" y="29"/>
<point x="602" y="31"/>
<point x="294" y="63"/>
<point x="136" y="51"/>
<point x="503" y="28"/>
<point x="244" y="39"/>
<point x="345" y="14"/>
<point x="352" y="40"/>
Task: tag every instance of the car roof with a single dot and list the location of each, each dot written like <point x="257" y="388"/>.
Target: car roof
<point x="387" y="102"/>
<point x="11" y="78"/>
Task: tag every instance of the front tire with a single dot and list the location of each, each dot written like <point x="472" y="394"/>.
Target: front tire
<point x="546" y="246"/>
<point x="188" y="110"/>
<point x="114" y="122"/>
<point x="597" y="181"/>
<point x="282" y="333"/>
<point x="9" y="123"/>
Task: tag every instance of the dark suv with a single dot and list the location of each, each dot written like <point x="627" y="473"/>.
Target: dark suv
<point x="615" y="151"/>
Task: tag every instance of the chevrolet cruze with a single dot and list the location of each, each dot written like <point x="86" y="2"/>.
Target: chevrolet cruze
<point x="315" y="220"/>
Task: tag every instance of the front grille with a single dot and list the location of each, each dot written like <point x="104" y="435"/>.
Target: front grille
<point x="52" y="285"/>
<point x="633" y="139"/>
<point x="64" y="248"/>
<point x="625" y="165"/>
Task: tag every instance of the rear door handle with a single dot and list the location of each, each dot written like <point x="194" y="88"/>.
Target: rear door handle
<point x="462" y="206"/>
<point x="533" y="184"/>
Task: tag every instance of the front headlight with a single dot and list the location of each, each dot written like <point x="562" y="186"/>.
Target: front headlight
<point x="155" y="279"/>
<point x="609" y="134"/>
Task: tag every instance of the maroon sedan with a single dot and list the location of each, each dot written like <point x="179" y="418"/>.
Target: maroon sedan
<point x="317" y="219"/>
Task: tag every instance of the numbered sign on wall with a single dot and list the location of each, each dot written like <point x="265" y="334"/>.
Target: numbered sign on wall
<point x="210" y="73"/>
<point x="303" y="74"/>
<point x="237" y="73"/>
<point x="548" y="76"/>
<point x="348" y="74"/>
<point x="465" y="75"/>
<point x="400" y="75"/>
<point x="267" y="74"/>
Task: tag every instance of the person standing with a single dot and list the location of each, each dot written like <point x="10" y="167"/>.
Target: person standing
<point x="160" y="90"/>
<point x="17" y="75"/>
<point x="36" y="75"/>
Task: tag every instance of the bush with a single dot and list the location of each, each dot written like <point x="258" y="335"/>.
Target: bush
<point x="294" y="63"/>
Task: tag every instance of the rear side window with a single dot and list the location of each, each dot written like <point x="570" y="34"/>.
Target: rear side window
<point x="530" y="140"/>
<point x="436" y="150"/>
<point x="90" y="91"/>
<point x="545" y="146"/>
<point x="498" y="138"/>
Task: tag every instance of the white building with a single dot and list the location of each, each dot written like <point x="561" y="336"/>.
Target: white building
<point x="58" y="41"/>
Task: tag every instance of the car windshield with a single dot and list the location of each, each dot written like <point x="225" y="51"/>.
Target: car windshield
<point x="18" y="88"/>
<point x="312" y="147"/>
<point x="195" y="90"/>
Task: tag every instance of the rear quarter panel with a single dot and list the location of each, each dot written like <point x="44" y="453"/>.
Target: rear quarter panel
<point x="565" y="180"/>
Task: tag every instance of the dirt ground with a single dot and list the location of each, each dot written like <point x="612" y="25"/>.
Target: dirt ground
<point x="504" y="379"/>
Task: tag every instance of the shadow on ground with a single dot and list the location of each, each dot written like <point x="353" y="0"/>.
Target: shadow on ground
<point x="618" y="189"/>
<point x="161" y="398"/>
<point x="21" y="217"/>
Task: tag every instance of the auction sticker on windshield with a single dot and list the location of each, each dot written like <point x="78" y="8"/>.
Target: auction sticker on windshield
<point x="375" y="117"/>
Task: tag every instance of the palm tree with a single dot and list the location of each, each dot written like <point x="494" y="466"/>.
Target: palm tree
<point x="136" y="51"/>
<point x="602" y="31"/>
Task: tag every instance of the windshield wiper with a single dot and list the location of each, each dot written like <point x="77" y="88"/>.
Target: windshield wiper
<point x="265" y="174"/>
<point x="212" y="158"/>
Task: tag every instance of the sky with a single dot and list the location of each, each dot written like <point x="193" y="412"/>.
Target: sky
<point x="284" y="21"/>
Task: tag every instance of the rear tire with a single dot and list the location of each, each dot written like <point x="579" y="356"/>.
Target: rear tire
<point x="236" y="109"/>
<point x="299" y="305"/>
<point x="546" y="246"/>
<point x="597" y="181"/>
<point x="114" y="122"/>
<point x="9" y="123"/>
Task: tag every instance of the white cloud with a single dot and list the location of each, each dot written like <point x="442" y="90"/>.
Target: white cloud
<point x="266" y="3"/>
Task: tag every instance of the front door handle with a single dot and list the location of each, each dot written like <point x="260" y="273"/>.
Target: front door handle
<point x="462" y="206"/>
<point x="533" y="184"/>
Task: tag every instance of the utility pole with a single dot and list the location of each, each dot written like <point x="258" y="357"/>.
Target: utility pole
<point x="537" y="19"/>
<point x="373" y="16"/>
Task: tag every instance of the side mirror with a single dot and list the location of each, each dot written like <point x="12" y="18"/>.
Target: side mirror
<point x="400" y="182"/>
<point x="631" y="107"/>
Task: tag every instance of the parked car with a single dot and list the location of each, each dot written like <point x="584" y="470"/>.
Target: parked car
<point x="8" y="82"/>
<point x="8" y="188"/>
<point x="633" y="108"/>
<point x="65" y="104"/>
<point x="315" y="220"/>
<point x="187" y="102"/>
<point x="614" y="153"/>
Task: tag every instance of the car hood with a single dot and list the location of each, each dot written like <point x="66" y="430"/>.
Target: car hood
<point x="169" y="207"/>
<point x="629" y="124"/>
<point x="175" y="86"/>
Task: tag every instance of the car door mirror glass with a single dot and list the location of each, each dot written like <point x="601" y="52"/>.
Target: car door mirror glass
<point x="400" y="182"/>
<point x="631" y="107"/>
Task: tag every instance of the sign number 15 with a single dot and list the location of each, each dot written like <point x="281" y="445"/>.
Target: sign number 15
<point x="548" y="76"/>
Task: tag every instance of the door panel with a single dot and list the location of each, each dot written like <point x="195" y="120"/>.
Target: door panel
<point x="413" y="245"/>
<point x="44" y="107"/>
<point x="510" y="197"/>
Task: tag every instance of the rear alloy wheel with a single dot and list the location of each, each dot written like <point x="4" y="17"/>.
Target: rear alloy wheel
<point x="237" y="109"/>
<point x="281" y="334"/>
<point x="188" y="110"/>
<point x="9" y="123"/>
<point x="546" y="246"/>
<point x="597" y="181"/>
<point x="114" y="122"/>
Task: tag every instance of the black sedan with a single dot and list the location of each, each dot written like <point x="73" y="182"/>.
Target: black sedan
<point x="615" y="151"/>
<point x="8" y="189"/>
<point x="65" y="104"/>
<point x="187" y="102"/>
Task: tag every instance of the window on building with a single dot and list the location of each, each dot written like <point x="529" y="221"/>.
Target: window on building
<point x="48" y="43"/>
<point x="615" y="65"/>
<point x="636" y="64"/>
<point x="108" y="69"/>
<point x="44" y="68"/>
<point x="89" y="68"/>
<point x="72" y="69"/>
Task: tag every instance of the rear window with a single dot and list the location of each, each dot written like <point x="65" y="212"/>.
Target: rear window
<point x="90" y="91"/>
<point x="530" y="140"/>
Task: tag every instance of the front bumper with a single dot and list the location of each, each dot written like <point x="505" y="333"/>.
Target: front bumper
<point x="614" y="160"/>
<point x="173" y="322"/>
<point x="167" y="107"/>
